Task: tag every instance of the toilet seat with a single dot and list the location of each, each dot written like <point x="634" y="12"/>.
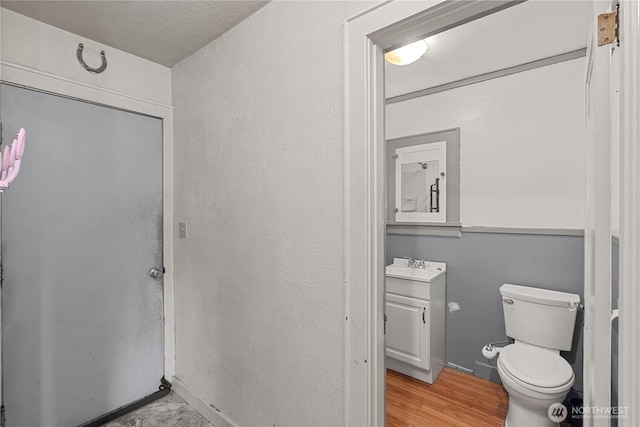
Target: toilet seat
<point x="536" y="368"/>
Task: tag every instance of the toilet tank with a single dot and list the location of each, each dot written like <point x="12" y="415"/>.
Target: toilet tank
<point x="539" y="316"/>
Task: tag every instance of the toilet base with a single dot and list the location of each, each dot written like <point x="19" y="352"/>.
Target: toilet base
<point x="530" y="407"/>
<point x="519" y="415"/>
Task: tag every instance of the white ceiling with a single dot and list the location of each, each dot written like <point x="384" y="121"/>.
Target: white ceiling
<point x="527" y="32"/>
<point x="161" y="31"/>
<point x="166" y="32"/>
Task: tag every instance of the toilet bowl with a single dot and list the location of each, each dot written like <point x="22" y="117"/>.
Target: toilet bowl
<point x="535" y="379"/>
<point x="541" y="322"/>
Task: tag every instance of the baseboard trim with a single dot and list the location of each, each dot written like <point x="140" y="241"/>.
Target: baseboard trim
<point x="163" y="390"/>
<point x="207" y="410"/>
<point x="460" y="368"/>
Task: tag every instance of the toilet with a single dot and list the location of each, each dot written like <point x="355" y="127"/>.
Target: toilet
<point x="541" y="322"/>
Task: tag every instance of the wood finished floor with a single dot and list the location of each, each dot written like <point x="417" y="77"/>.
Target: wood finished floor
<point x="455" y="399"/>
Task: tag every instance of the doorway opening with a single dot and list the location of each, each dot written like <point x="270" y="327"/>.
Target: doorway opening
<point x="519" y="206"/>
<point x="517" y="104"/>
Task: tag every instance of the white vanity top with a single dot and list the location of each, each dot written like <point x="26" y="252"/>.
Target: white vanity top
<point x="401" y="270"/>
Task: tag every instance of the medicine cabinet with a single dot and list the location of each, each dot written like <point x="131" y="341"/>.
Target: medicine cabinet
<point x="423" y="179"/>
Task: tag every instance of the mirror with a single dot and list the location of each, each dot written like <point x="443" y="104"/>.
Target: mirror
<point x="420" y="183"/>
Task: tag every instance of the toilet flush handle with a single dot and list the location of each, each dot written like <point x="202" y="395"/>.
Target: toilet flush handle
<point x="507" y="300"/>
<point x="575" y="305"/>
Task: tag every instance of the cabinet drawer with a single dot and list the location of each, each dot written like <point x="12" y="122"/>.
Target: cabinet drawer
<point x="408" y="288"/>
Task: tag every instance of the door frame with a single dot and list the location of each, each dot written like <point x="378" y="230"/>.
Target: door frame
<point x="629" y="292"/>
<point x="598" y="226"/>
<point x="366" y="36"/>
<point x="34" y="79"/>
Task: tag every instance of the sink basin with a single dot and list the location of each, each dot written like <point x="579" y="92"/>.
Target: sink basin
<point x="400" y="269"/>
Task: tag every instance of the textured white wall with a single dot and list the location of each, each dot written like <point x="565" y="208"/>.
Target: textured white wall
<point x="522" y="145"/>
<point x="259" y="180"/>
<point x="36" y="48"/>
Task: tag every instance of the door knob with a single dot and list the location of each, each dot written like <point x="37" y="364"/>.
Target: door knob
<point x="155" y="273"/>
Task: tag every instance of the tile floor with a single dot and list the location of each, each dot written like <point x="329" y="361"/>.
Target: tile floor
<point x="168" y="411"/>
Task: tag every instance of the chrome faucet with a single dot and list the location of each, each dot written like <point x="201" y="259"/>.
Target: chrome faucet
<point x="415" y="263"/>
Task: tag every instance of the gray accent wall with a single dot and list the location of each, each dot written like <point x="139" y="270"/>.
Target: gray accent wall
<point x="478" y="264"/>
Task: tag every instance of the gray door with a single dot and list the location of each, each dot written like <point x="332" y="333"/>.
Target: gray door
<point x="81" y="227"/>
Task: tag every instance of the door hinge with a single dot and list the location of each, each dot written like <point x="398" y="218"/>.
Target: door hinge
<point x="608" y="27"/>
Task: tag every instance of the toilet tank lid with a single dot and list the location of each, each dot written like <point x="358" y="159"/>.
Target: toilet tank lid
<point x="539" y="296"/>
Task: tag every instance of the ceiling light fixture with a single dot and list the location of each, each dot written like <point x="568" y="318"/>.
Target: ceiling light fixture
<point x="407" y="54"/>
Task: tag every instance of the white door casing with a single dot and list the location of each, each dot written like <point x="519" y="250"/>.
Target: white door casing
<point x="629" y="291"/>
<point x="601" y="129"/>
<point x="597" y="242"/>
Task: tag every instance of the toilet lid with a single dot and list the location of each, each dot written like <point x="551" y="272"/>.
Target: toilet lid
<point x="536" y="366"/>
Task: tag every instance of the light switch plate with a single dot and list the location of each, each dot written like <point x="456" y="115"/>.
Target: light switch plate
<point x="182" y="227"/>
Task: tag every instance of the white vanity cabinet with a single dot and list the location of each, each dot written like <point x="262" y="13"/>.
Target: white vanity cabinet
<point x="415" y="319"/>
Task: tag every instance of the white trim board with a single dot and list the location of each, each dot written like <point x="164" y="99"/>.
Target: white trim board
<point x="366" y="36"/>
<point x="629" y="292"/>
<point x="598" y="207"/>
<point x="545" y="62"/>
<point x="525" y="230"/>
<point x="455" y="230"/>
<point x="31" y="78"/>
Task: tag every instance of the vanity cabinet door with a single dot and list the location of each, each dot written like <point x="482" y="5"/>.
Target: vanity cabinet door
<point x="407" y="330"/>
